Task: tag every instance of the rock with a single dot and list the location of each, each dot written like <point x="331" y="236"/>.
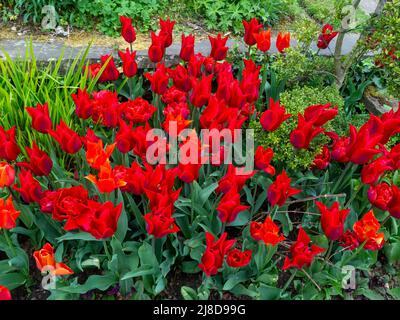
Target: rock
<point x="379" y="105"/>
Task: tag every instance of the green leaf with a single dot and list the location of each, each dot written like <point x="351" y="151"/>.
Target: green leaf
<point x="12" y="280"/>
<point x="101" y="283"/>
<point x="188" y="293"/>
<point x="77" y="236"/>
<point x="392" y="251"/>
<point x="143" y="270"/>
<point x="395" y="293"/>
<point x="268" y="292"/>
<point x="234" y="280"/>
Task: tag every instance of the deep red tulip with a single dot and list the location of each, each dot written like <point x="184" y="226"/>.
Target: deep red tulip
<point x="68" y="139"/>
<point x="160" y="224"/>
<point x="8" y="214"/>
<point x="332" y="219"/>
<point x="380" y="195"/>
<point x="30" y="189"/>
<point x="280" y="190"/>
<point x="106" y="108"/>
<point x="268" y="232"/>
<point x="371" y="173"/>
<point x="302" y="254"/>
<point x="326" y="36"/>
<point x="9" y="148"/>
<point x="263" y="39"/>
<point x="394" y="205"/>
<point x="129" y="65"/>
<point x="272" y="118"/>
<point x="237" y="258"/>
<point x="320" y="114"/>
<point x="158" y="79"/>
<point x="213" y="256"/>
<point x="201" y="90"/>
<point x="40" y="117"/>
<point x="283" y="41"/>
<point x="366" y="230"/>
<point x="5" y="294"/>
<point x="195" y="65"/>
<point x="127" y="31"/>
<point x="40" y="163"/>
<point x="83" y="104"/>
<point x="304" y="133"/>
<point x="262" y="159"/>
<point x="233" y="179"/>
<point x="110" y="72"/>
<point x="138" y="110"/>
<point x="349" y="240"/>
<point x="321" y="160"/>
<point x="156" y="49"/>
<point x="251" y="29"/>
<point x="188" y="172"/>
<point x="166" y="29"/>
<point x="218" y="47"/>
<point x="181" y="79"/>
<point x="229" y="207"/>
<point x="187" y="48"/>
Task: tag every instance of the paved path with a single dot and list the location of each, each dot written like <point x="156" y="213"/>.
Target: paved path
<point x="368" y="6"/>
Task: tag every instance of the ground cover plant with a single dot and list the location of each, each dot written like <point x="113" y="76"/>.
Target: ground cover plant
<point x="88" y="212"/>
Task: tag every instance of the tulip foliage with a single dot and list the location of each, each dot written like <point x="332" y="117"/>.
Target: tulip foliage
<point x="111" y="221"/>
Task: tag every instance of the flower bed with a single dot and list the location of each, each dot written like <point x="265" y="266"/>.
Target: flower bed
<point x="100" y="204"/>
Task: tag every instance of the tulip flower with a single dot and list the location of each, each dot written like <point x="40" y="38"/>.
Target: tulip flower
<point x="283" y="41"/>
<point x="7" y="174"/>
<point x="349" y="240"/>
<point x="188" y="172"/>
<point x="83" y="104"/>
<point x="280" y="190"/>
<point x="262" y="159"/>
<point x="213" y="256"/>
<point x="127" y="31"/>
<point x="9" y="148"/>
<point x="30" y="189"/>
<point x="332" y="219"/>
<point x="181" y="78"/>
<point x="233" y="180"/>
<point x="302" y="254"/>
<point x="263" y="39"/>
<point x="237" y="258"/>
<point x="201" y="90"/>
<point x="158" y="79"/>
<point x="110" y="72"/>
<point x="8" y="214"/>
<point x="268" y="232"/>
<point x="129" y="65"/>
<point x="229" y="207"/>
<point x="96" y="156"/>
<point x="41" y="121"/>
<point x="251" y="29"/>
<point x="157" y="47"/>
<point x="40" y="163"/>
<point x="320" y="114"/>
<point x="326" y="36"/>
<point x="45" y="261"/>
<point x="5" y="294"/>
<point x="371" y="173"/>
<point x="380" y="195"/>
<point x="187" y="48"/>
<point x="166" y="28"/>
<point x="124" y="137"/>
<point x="106" y="180"/>
<point x="394" y="205"/>
<point x="304" y="133"/>
<point x="68" y="139"/>
<point x="321" y="160"/>
<point x="218" y="47"/>
<point x="159" y="224"/>
<point x="138" y="110"/>
<point x="366" y="230"/>
<point x="271" y="119"/>
<point x="195" y="65"/>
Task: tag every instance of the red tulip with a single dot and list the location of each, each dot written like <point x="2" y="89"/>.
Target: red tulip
<point x="326" y="36"/>
<point x="167" y="27"/>
<point x="40" y="117"/>
<point x="156" y="49"/>
<point x="128" y="31"/>
<point x="233" y="179"/>
<point x="267" y="231"/>
<point x="138" y="110"/>
<point x="320" y="114"/>
<point x="321" y="160"/>
<point x="218" y="47"/>
<point x="5" y="294"/>
<point x="263" y="39"/>
<point x="40" y="163"/>
<point x="68" y="139"/>
<point x="195" y="65"/>
<point x="283" y="41"/>
<point x="332" y="219"/>
<point x="124" y="137"/>
<point x="30" y="188"/>
<point x="251" y="29"/>
<point x="83" y="104"/>
<point x="349" y="240"/>
<point x="380" y="195"/>
<point x="110" y="72"/>
<point x="339" y="147"/>
<point x="106" y="108"/>
<point x="271" y="119"/>
<point x="188" y="172"/>
<point x="366" y="230"/>
<point x="129" y="65"/>
<point x="229" y="207"/>
<point x="305" y="132"/>
<point x="160" y="224"/>
<point x="8" y="214"/>
<point x="394" y="205"/>
<point x="181" y="79"/>
<point x="159" y="79"/>
<point x="9" y="148"/>
<point x="371" y="173"/>
<point x="7" y="175"/>
<point x="201" y="90"/>
<point x="187" y="48"/>
<point x="250" y="83"/>
<point x="262" y="159"/>
<point x="213" y="256"/>
<point x="237" y="258"/>
<point x="301" y="251"/>
<point x="280" y="190"/>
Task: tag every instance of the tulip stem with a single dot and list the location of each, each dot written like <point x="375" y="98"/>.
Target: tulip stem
<point x="339" y="195"/>
<point x="287" y="284"/>
<point x="9" y="242"/>
<point x="311" y="279"/>
<point x="354" y="195"/>
<point x="344" y="172"/>
<point x="106" y="250"/>
<point x="328" y="253"/>
<point x="385" y="220"/>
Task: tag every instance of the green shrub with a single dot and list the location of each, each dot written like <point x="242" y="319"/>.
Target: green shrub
<point x="295" y="101"/>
